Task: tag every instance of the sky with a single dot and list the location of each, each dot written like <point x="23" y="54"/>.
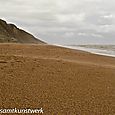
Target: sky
<point x="63" y="21"/>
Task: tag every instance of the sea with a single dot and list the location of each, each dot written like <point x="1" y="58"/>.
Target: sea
<point x="106" y="50"/>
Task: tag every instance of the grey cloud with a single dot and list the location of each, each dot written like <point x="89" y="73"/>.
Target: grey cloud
<point x="63" y="21"/>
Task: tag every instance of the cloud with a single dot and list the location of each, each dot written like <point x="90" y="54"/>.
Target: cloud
<point x="63" y="21"/>
<point x="70" y="18"/>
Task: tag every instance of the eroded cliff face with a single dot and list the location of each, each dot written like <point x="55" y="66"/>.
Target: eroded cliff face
<point x="9" y="33"/>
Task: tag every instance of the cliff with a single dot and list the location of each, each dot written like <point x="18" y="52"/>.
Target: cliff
<point x="9" y="33"/>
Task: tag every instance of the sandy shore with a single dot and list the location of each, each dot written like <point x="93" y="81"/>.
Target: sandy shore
<point x="59" y="80"/>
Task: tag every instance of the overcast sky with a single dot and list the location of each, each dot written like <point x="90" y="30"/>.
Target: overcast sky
<point x="63" y="21"/>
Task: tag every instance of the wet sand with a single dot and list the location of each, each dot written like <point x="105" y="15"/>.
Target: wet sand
<point x="59" y="80"/>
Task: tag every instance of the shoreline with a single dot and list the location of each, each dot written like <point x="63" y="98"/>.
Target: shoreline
<point x="89" y="50"/>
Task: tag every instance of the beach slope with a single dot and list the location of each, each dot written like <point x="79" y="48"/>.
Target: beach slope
<point x="59" y="80"/>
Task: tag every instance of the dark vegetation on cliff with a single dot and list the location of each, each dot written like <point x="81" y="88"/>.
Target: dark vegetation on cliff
<point x="9" y="33"/>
